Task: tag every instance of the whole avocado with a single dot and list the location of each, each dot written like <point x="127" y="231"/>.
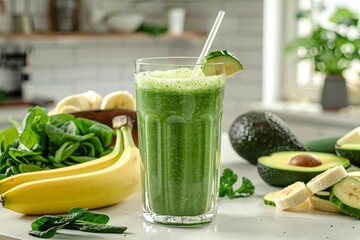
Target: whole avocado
<point x="260" y="133"/>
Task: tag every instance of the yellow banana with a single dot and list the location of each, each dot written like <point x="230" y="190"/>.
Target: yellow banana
<point x="89" y="190"/>
<point x="94" y="165"/>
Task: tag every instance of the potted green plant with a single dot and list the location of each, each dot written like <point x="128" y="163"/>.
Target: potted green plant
<point x="332" y="50"/>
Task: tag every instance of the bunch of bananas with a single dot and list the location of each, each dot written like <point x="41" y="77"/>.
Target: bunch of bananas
<point x="93" y="184"/>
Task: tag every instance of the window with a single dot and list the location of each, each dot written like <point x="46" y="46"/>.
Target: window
<point x="301" y="82"/>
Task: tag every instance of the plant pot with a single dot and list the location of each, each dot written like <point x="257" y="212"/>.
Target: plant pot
<point x="334" y="93"/>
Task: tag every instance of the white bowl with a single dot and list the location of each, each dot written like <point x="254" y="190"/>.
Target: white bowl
<point x="125" y="22"/>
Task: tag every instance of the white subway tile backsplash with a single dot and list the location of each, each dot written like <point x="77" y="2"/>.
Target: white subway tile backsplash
<point x="53" y="56"/>
<point x="62" y="74"/>
<point x="64" y="67"/>
<point x="248" y="7"/>
<point x="42" y="76"/>
<point x="210" y="8"/>
<point x="53" y="91"/>
<point x="102" y="86"/>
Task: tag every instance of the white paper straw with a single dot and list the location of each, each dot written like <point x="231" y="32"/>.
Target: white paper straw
<point x="209" y="41"/>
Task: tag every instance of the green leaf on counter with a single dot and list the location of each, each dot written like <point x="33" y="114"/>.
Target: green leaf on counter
<point x="95" y="228"/>
<point x="77" y="219"/>
<point x="227" y="181"/>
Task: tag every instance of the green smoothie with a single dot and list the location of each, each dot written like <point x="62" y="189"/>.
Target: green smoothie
<point x="179" y="124"/>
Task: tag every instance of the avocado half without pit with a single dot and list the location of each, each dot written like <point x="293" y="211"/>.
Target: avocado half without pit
<point x="348" y="146"/>
<point x="284" y="168"/>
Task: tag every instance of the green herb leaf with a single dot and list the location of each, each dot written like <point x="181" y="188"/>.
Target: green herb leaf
<point x="32" y="126"/>
<point x="48" y="221"/>
<point x="29" y="168"/>
<point x="77" y="219"/>
<point x="246" y="189"/>
<point x="93" y="217"/>
<point x="44" y="234"/>
<point x="95" y="227"/>
<point x="228" y="179"/>
<point x="65" y="151"/>
<point x="45" y="142"/>
<point x="8" y="137"/>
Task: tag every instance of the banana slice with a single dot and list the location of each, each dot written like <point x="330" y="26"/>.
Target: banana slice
<point x="69" y="109"/>
<point x="354" y="174"/>
<point x="77" y="101"/>
<point x="291" y="196"/>
<point x="94" y="99"/>
<point x="118" y="99"/>
<point x="326" y="179"/>
<point x="323" y="204"/>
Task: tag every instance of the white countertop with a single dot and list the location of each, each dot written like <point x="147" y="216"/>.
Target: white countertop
<point x="246" y="218"/>
<point x="309" y="113"/>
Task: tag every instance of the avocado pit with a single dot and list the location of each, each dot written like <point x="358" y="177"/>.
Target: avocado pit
<point x="305" y="160"/>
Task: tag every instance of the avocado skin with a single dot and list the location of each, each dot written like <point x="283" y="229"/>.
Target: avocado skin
<point x="283" y="178"/>
<point x="257" y="133"/>
<point x="352" y="154"/>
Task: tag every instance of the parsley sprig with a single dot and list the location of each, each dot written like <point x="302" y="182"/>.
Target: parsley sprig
<point x="228" y="179"/>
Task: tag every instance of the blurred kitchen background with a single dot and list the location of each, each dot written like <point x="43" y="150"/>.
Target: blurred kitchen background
<point x="54" y="48"/>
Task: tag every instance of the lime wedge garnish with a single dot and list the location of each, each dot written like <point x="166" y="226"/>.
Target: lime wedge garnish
<point x="232" y="63"/>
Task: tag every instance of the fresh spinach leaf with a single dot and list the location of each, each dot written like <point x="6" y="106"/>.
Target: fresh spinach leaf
<point x="32" y="126"/>
<point x="48" y="221"/>
<point x="29" y="168"/>
<point x="77" y="219"/>
<point x="81" y="159"/>
<point x="49" y="233"/>
<point x="48" y="142"/>
<point x="93" y="217"/>
<point x="53" y="133"/>
<point x="74" y="138"/>
<point x="59" y="119"/>
<point x="8" y="137"/>
<point x="99" y="149"/>
<point x="102" y="131"/>
<point x="85" y="149"/>
<point x="65" y="151"/>
<point x="18" y="154"/>
<point x="69" y="128"/>
<point x="95" y="227"/>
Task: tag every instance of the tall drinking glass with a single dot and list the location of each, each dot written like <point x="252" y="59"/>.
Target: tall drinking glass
<point x="179" y="126"/>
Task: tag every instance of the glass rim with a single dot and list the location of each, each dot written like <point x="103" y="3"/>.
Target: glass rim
<point x="151" y="61"/>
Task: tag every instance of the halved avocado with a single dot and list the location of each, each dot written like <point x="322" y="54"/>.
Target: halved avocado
<point x="284" y="168"/>
<point x="348" y="146"/>
<point x="350" y="151"/>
